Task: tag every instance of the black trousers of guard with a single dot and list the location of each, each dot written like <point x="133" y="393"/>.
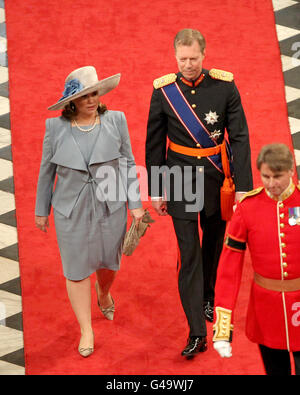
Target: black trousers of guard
<point x="197" y="266"/>
<point x="278" y="362"/>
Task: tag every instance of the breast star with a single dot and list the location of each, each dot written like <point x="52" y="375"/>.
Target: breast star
<point x="211" y="117"/>
<point x="215" y="134"/>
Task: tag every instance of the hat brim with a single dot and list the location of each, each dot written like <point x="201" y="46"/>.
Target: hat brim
<point x="103" y="87"/>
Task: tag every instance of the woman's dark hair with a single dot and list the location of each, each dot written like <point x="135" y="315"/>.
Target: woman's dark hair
<point x="70" y="113"/>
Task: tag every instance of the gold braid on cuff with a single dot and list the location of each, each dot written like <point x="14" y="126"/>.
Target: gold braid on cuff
<point x="223" y="328"/>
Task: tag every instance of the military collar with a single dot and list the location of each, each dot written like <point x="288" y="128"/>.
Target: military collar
<point x="285" y="194"/>
<point x="192" y="84"/>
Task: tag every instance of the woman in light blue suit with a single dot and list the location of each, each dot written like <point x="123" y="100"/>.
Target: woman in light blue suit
<point x="87" y="151"/>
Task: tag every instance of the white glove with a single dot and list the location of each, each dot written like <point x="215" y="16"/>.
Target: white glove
<point x="223" y="348"/>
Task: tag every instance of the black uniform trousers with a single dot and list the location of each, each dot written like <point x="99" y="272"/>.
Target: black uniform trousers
<point x="197" y="265"/>
<point x="278" y="362"/>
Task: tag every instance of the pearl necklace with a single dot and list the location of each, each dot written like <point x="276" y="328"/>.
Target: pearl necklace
<point x="86" y="130"/>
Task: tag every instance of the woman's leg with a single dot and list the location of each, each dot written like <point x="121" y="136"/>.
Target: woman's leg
<point x="79" y="293"/>
<point x="105" y="278"/>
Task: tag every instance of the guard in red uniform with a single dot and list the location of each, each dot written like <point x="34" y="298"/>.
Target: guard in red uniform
<point x="266" y="219"/>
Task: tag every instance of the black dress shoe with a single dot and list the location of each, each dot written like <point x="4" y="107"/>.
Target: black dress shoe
<point x="194" y="345"/>
<point x="208" y="311"/>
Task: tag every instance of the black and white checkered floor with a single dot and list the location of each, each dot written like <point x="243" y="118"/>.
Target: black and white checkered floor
<point x="287" y="16"/>
<point x="11" y="330"/>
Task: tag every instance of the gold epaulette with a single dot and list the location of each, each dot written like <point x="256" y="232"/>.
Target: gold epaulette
<point x="223" y="327"/>
<point x="298" y="186"/>
<point x="221" y="75"/>
<point x="165" y="80"/>
<point x="251" y="193"/>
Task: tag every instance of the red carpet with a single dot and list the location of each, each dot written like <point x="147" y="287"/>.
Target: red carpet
<point x="47" y="40"/>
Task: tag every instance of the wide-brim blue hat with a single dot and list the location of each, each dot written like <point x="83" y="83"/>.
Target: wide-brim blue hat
<point x="83" y="81"/>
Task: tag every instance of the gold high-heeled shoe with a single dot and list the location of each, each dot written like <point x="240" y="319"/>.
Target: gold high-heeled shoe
<point x="85" y="352"/>
<point x="109" y="311"/>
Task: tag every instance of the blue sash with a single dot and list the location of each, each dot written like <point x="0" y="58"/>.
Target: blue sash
<point x="191" y="122"/>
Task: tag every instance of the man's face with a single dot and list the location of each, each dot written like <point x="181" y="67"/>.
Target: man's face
<point x="189" y="60"/>
<point x="275" y="182"/>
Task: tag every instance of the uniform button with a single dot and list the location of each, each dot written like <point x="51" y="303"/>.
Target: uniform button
<point x="194" y="105"/>
<point x="200" y="170"/>
<point x="284" y="264"/>
<point x="193" y="92"/>
<point x="281" y="205"/>
<point x="197" y="145"/>
<point x="282" y="235"/>
<point x="285" y="274"/>
<point x="282" y="225"/>
<point x="283" y="255"/>
<point x="198" y="157"/>
<point x="283" y="245"/>
<point x="281" y="215"/>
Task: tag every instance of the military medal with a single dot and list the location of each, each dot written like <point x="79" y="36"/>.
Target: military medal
<point x="215" y="134"/>
<point x="294" y="216"/>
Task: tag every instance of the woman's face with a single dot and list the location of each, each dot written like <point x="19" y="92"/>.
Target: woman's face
<point x="87" y="105"/>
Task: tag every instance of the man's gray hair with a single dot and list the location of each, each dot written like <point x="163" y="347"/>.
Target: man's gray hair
<point x="188" y="37"/>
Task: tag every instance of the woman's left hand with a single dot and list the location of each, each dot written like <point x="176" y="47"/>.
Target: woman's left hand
<point x="137" y="214"/>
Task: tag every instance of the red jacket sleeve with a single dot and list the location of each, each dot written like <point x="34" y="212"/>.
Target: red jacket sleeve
<point x="229" y="275"/>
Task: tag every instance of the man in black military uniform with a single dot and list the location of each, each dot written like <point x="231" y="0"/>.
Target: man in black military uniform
<point x="213" y="97"/>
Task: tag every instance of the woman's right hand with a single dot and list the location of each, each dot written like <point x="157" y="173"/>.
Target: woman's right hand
<point x="42" y="223"/>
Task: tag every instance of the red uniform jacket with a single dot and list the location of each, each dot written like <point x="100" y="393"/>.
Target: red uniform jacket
<point x="273" y="238"/>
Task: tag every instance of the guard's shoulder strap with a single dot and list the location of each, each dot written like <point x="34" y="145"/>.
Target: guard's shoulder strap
<point x="254" y="192"/>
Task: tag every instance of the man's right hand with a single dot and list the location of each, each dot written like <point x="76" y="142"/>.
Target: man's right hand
<point x="223" y="348"/>
<point x="160" y="206"/>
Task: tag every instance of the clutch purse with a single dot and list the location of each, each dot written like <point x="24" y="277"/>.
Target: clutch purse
<point x="133" y="235"/>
